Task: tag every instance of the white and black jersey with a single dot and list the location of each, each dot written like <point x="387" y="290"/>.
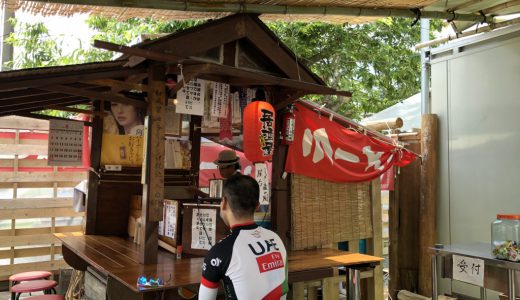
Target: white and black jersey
<point x="251" y="262"/>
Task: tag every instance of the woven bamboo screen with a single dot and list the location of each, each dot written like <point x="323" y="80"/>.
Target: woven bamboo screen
<point x="325" y="212"/>
<point x="123" y="13"/>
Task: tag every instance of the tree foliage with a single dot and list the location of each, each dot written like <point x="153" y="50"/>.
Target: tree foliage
<point x="375" y="61"/>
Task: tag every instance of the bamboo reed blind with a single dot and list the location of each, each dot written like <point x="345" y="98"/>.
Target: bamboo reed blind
<point x="324" y="212"/>
<point x="27" y="223"/>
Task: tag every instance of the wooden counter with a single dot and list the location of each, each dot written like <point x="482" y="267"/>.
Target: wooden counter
<point x="117" y="258"/>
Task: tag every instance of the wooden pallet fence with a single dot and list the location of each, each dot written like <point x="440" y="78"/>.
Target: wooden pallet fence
<point x="28" y="220"/>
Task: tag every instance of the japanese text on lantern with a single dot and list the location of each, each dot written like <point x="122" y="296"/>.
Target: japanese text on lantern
<point x="267" y="132"/>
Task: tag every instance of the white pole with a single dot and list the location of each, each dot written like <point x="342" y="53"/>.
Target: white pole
<point x="425" y="68"/>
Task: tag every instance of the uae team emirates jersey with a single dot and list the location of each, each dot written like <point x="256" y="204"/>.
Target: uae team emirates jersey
<point x="251" y="262"/>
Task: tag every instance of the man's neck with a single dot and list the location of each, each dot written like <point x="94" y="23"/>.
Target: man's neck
<point x="240" y="222"/>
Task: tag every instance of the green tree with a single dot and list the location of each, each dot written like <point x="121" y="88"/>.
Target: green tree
<point x="375" y="61"/>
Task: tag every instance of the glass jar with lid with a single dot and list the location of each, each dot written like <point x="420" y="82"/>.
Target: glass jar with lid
<point x="505" y="237"/>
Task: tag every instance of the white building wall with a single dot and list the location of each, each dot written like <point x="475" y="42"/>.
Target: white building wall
<point x="476" y="95"/>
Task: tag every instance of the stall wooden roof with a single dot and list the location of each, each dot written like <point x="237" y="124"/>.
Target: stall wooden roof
<point x="237" y="49"/>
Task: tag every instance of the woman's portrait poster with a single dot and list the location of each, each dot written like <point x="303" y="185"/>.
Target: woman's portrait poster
<point x="123" y="128"/>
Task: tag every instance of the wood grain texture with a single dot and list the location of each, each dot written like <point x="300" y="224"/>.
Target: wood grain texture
<point x="375" y="244"/>
<point x="428" y="200"/>
<point x="119" y="258"/>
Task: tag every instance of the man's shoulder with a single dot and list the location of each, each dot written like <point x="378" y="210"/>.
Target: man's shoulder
<point x="225" y="244"/>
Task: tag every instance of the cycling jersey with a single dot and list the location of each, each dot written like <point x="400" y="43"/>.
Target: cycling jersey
<point x="251" y="262"/>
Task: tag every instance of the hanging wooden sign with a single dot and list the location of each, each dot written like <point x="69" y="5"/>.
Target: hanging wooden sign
<point x="190" y="99"/>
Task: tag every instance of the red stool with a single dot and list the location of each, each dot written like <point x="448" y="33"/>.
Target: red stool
<point x="27" y="276"/>
<point x="45" y="297"/>
<point x="47" y="286"/>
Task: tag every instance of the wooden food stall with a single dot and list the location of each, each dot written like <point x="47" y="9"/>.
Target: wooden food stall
<point x="238" y="51"/>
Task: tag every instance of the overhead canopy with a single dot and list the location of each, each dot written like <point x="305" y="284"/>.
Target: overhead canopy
<point x="238" y="49"/>
<point x="347" y="11"/>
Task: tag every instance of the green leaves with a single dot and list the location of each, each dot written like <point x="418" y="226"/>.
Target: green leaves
<point x="375" y="61"/>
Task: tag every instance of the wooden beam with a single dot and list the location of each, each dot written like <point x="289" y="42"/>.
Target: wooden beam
<point x="153" y="189"/>
<point x="309" y="88"/>
<point x="119" y="85"/>
<point x="46" y="79"/>
<point x="96" y="95"/>
<point x="27" y="108"/>
<point x="22" y="93"/>
<point x="375" y="244"/>
<point x="202" y="38"/>
<point x="499" y="7"/>
<point x="281" y="187"/>
<point x="46" y="117"/>
<point x="278" y="53"/>
<point x="428" y="200"/>
<point x="95" y="164"/>
<point x="150" y="54"/>
<point x="72" y="109"/>
<point x="464" y="5"/>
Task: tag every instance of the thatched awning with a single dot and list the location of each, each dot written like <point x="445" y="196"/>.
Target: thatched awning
<point x="286" y="10"/>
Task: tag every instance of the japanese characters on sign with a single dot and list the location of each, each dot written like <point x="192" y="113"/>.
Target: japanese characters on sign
<point x="190" y="99"/>
<point x="236" y="113"/>
<point x="468" y="269"/>
<point x="65" y="143"/>
<point x="219" y="103"/>
<point x="326" y="150"/>
<point x="267" y="132"/>
<point x="204" y="226"/>
<point x="170" y="218"/>
<point x="262" y="177"/>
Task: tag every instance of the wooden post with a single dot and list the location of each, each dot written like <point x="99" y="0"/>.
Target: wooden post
<point x="428" y="201"/>
<point x="393" y="232"/>
<point x="281" y="202"/>
<point x="153" y="188"/>
<point x="93" y="180"/>
<point x="375" y="244"/>
<point x="404" y="223"/>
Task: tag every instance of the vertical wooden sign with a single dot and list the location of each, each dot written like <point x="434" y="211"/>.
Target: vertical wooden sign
<point x="153" y="188"/>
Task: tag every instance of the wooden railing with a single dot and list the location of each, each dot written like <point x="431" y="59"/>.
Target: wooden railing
<point x="31" y="207"/>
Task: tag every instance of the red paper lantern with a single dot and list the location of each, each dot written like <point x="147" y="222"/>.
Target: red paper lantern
<point x="259" y="117"/>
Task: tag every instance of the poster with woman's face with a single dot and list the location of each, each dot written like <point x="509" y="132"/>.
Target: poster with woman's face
<point x="123" y="128"/>
<point x="124" y="119"/>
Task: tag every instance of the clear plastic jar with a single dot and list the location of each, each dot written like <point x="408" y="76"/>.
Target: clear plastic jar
<point x="505" y="237"/>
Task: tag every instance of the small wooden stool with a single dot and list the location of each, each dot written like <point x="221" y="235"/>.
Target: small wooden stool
<point x="45" y="297"/>
<point x="33" y="286"/>
<point x="28" y="276"/>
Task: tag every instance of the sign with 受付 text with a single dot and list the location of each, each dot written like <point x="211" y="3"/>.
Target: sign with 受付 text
<point x="468" y="269"/>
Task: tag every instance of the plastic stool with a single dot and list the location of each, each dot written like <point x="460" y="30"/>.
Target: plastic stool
<point x="33" y="286"/>
<point x="27" y="276"/>
<point x="45" y="297"/>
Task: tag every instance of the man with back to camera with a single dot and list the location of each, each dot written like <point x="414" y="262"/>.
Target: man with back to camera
<point x="251" y="261"/>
